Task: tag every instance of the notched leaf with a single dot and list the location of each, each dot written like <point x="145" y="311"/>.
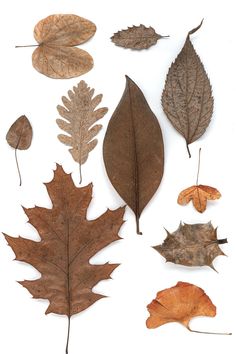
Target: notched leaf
<point x="136" y="37"/>
<point x="192" y="245"/>
<point x="133" y="150"/>
<point x="79" y="115"/>
<point x="187" y="97"/>
<point x="56" y="55"/>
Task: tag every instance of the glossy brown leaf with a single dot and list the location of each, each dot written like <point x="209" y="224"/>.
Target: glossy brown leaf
<point x="187" y="97"/>
<point x="136" y="37"/>
<point x="19" y="137"/>
<point x="192" y="245"/>
<point x="56" y="56"/>
<point x="133" y="150"/>
<point x="179" y="303"/>
<point x="68" y="241"/>
<point x="79" y="115"/>
<point x="199" y="195"/>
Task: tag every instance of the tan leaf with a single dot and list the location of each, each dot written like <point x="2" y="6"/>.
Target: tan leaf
<point x="180" y="304"/>
<point x="187" y="97"/>
<point x="79" y="115"/>
<point x="133" y="150"/>
<point x="136" y="37"/>
<point x="199" y="195"/>
<point x="19" y="137"/>
<point x="68" y="241"/>
<point x="56" y="56"/>
<point x="192" y="245"/>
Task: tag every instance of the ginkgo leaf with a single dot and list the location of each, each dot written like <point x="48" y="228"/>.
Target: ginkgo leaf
<point x="199" y="195"/>
<point x="56" y="56"/>
<point x="133" y="150"/>
<point x="187" y="97"/>
<point x="136" y="37"/>
<point x="180" y="303"/>
<point x="79" y="115"/>
<point x="19" y="137"/>
<point x="68" y="241"/>
<point x="192" y="245"/>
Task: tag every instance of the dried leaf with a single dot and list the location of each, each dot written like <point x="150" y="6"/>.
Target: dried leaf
<point x="19" y="137"/>
<point x="187" y="97"/>
<point x="180" y="304"/>
<point x="68" y="241"/>
<point x="56" y="56"/>
<point x="79" y="117"/>
<point x="133" y="150"/>
<point x="199" y="195"/>
<point x="136" y="37"/>
<point x="192" y="245"/>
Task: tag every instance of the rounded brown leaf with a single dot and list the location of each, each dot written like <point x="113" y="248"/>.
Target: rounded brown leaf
<point x="61" y="62"/>
<point x="64" y="30"/>
<point x="180" y="304"/>
<point x="20" y="134"/>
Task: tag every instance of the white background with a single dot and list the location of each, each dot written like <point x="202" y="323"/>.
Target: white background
<point x="117" y="324"/>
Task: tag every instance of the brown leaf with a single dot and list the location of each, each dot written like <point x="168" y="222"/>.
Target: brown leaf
<point x="136" y="37"/>
<point x="79" y="117"/>
<point x="19" y="137"/>
<point x="56" y="56"/>
<point x="180" y="304"/>
<point x="199" y="195"/>
<point x="68" y="241"/>
<point x="187" y="97"/>
<point x="133" y="150"/>
<point x="192" y="245"/>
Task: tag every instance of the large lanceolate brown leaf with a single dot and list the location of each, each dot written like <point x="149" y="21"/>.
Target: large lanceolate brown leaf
<point x="136" y="37"/>
<point x="68" y="241"/>
<point x="192" y="245"/>
<point x="187" y="97"/>
<point x="19" y="137"/>
<point x="56" y="55"/>
<point x="79" y="115"/>
<point x="133" y="150"/>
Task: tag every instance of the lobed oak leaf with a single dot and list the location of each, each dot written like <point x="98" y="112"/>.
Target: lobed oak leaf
<point x="199" y="194"/>
<point x="56" y="55"/>
<point x="136" y="37"/>
<point x="192" y="245"/>
<point x="68" y="241"/>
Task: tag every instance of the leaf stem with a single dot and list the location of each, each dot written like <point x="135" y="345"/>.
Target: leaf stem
<point x="68" y="335"/>
<point x="217" y="333"/>
<point x="189" y="153"/>
<point x="17" y="165"/>
<point x="199" y="164"/>
<point x="137" y="225"/>
<point x="26" y="46"/>
<point x="80" y="173"/>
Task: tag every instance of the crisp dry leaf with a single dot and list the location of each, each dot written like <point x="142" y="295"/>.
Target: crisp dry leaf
<point x="56" y="56"/>
<point x="199" y="195"/>
<point x="79" y="115"/>
<point x="68" y="241"/>
<point x="136" y="37"/>
<point x="133" y="150"/>
<point x="187" y="97"/>
<point x="179" y="303"/>
<point x="19" y="137"/>
<point x="192" y="245"/>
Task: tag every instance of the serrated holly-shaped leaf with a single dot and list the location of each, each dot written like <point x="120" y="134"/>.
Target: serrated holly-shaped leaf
<point x="136" y="37"/>
<point x="68" y="241"/>
<point x="187" y="97"/>
<point x="80" y="115"/>
<point x="192" y="245"/>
